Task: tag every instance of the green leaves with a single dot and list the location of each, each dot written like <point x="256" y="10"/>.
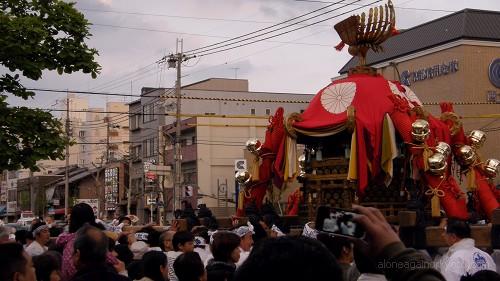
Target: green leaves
<point x="37" y="35"/>
<point x="28" y="135"/>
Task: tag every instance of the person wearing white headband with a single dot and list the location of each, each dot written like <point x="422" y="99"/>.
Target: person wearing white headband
<point x="245" y="233"/>
<point x="276" y="232"/>
<point x="42" y="236"/>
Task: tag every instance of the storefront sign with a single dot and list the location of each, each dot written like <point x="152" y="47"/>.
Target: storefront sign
<point x="11" y="207"/>
<point x="111" y="188"/>
<point x="408" y="77"/>
<point x="94" y="203"/>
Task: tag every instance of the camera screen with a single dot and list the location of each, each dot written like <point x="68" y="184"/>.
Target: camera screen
<point x="340" y="222"/>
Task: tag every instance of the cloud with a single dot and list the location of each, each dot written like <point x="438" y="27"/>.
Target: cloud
<point x="105" y="2"/>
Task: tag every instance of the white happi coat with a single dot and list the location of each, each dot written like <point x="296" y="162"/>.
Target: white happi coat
<point x="463" y="258"/>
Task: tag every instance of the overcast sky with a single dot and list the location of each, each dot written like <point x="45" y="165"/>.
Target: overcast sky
<point x="131" y="35"/>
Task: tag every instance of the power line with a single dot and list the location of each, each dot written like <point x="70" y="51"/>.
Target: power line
<point x="137" y="73"/>
<point x="210" y="98"/>
<point x="396" y="7"/>
<point x="266" y="28"/>
<point x="184" y="97"/>
<point x="201" y="54"/>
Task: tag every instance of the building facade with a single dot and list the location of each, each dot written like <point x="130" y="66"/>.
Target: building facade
<point x="454" y="58"/>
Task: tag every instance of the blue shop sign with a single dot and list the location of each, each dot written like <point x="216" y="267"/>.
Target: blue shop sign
<point x="445" y="68"/>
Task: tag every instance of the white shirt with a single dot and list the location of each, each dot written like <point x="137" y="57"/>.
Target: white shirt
<point x="243" y="257"/>
<point x="463" y="258"/>
<point x="371" y="277"/>
<point x="204" y="254"/>
<point x="171" y="257"/>
<point x="35" y="249"/>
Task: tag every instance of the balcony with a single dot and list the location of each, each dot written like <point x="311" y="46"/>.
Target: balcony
<point x="189" y="154"/>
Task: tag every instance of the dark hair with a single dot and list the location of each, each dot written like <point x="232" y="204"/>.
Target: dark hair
<point x="335" y="246"/>
<point x="151" y="264"/>
<point x="181" y="237"/>
<point x="289" y="258"/>
<point x="80" y="214"/>
<point x="12" y="260"/>
<point x="123" y="239"/>
<point x="22" y="235"/>
<point x="482" y="275"/>
<point x="458" y="227"/>
<point x="153" y="239"/>
<point x="135" y="270"/>
<point x="124" y="253"/>
<point x="35" y="226"/>
<point x="223" y="245"/>
<point x="124" y="218"/>
<point x="201" y="231"/>
<point x="92" y="249"/>
<point x="189" y="267"/>
<point x="364" y="263"/>
<point x="495" y="236"/>
<point x="44" y="265"/>
<point x="111" y="244"/>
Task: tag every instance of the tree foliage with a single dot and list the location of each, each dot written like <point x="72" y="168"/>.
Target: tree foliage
<point x="35" y="36"/>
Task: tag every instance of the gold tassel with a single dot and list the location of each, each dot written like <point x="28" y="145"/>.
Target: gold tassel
<point x="241" y="197"/>
<point x="436" y="194"/>
<point x="426" y="154"/>
<point x="254" y="171"/>
<point x="471" y="180"/>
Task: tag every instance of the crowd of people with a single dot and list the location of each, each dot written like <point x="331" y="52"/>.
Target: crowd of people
<point x="258" y="249"/>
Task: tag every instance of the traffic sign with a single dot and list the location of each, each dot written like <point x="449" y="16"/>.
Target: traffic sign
<point x="150" y="176"/>
<point x="240" y="165"/>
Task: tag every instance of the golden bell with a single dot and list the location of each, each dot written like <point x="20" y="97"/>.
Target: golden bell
<point x="443" y="148"/>
<point x="253" y="145"/>
<point x="301" y="175"/>
<point x="243" y="177"/>
<point x="420" y="130"/>
<point x="302" y="161"/>
<point x="437" y="164"/>
<point x="491" y="167"/>
<point x="466" y="155"/>
<point x="477" y="138"/>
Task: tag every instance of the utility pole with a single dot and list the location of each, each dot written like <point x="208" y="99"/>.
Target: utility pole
<point x="178" y="152"/>
<point x="175" y="60"/>
<point x="129" y="190"/>
<point x="66" y="181"/>
<point x="106" y="119"/>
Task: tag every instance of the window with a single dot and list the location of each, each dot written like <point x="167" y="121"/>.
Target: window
<point x="252" y="111"/>
<point x="134" y="121"/>
<point x="83" y="148"/>
<point x="148" y="112"/>
<point x="183" y="142"/>
<point x="193" y="139"/>
<point x="136" y="152"/>
<point x="154" y="146"/>
<point x="82" y="162"/>
<point x="81" y="134"/>
<point x="268" y="111"/>
<point x="145" y="148"/>
<point x="150" y="147"/>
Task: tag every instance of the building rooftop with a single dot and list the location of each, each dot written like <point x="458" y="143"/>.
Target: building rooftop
<point x="465" y="24"/>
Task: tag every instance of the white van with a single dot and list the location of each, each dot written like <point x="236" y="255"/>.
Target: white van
<point x="26" y="218"/>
